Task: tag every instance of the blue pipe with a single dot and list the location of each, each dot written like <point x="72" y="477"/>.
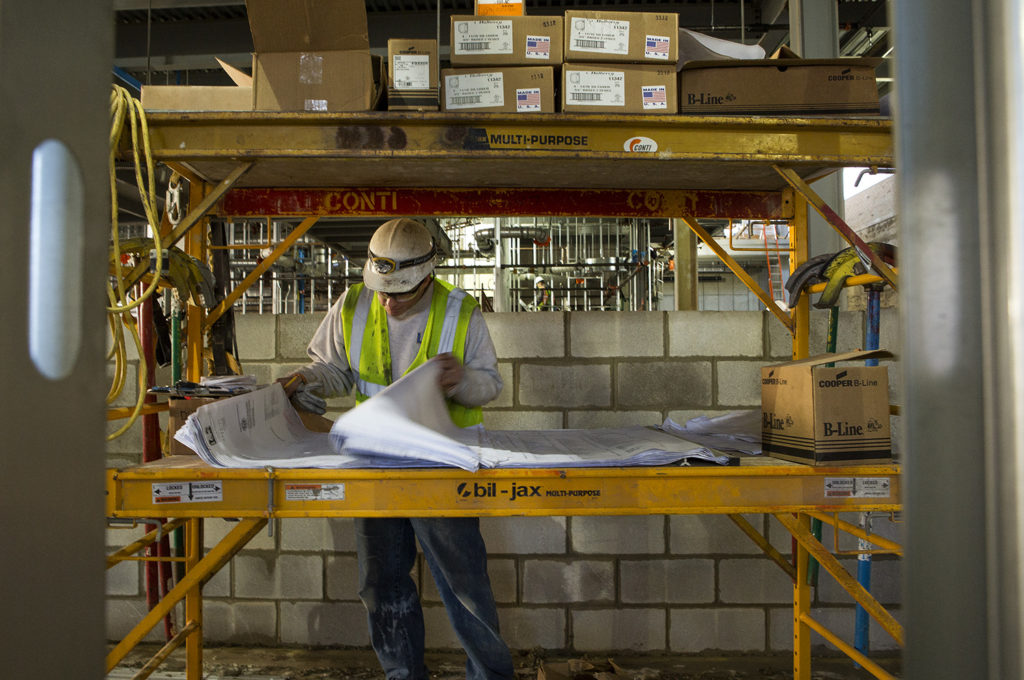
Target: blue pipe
<point x="862" y="628"/>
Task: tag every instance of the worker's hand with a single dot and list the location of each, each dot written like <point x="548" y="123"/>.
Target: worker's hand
<point x="451" y="371"/>
<point x="292" y="382"/>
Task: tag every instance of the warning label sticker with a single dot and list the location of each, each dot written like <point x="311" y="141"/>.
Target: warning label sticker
<point x="857" y="487"/>
<point x="188" y="492"/>
<point x="314" y="492"/>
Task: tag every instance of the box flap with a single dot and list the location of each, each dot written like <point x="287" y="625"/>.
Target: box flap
<point x="238" y="76"/>
<point x="873" y="62"/>
<point x="855" y="355"/>
<point x="308" y="25"/>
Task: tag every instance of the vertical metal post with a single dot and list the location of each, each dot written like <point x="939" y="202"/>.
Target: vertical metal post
<point x="194" y="601"/>
<point x="798" y="253"/>
<point x="801" y="606"/>
<point x="954" y="201"/>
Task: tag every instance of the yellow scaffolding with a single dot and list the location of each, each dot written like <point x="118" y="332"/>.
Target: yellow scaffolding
<point x="382" y="164"/>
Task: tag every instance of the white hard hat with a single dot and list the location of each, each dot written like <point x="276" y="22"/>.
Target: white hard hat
<point x="401" y="254"/>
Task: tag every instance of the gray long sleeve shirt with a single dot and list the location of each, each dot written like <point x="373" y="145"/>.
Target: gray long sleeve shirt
<point x="480" y="382"/>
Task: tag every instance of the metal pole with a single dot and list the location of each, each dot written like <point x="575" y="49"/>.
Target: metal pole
<point x="962" y="457"/>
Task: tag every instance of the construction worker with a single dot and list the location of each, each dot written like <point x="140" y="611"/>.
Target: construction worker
<point x="397" y="319"/>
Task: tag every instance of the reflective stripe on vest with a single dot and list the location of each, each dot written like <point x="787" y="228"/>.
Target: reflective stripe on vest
<point x="457" y="308"/>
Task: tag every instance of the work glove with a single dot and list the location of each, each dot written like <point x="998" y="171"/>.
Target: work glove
<point x="304" y="399"/>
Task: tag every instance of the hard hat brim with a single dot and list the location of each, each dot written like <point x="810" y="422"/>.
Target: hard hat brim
<point x="397" y="281"/>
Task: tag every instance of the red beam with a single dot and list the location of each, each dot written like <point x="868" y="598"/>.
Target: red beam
<point x="384" y="202"/>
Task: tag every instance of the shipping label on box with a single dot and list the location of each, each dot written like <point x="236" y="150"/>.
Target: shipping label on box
<point x="499" y="7"/>
<point x="599" y="36"/>
<point x="489" y="41"/>
<point x="492" y="36"/>
<point x="827" y="415"/>
<point x="595" y="88"/>
<point x="410" y="71"/>
<point x="621" y="37"/>
<point x="512" y="89"/>
<point x="412" y="64"/>
<point x="619" y="88"/>
<point x="474" y="90"/>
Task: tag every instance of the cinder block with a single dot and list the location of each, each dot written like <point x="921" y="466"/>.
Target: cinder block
<point x="124" y="579"/>
<point x="294" y="331"/>
<point x="885" y="582"/>
<point x="595" y="419"/>
<point x="632" y="334"/>
<point x="505" y="398"/>
<point x="522" y="420"/>
<point x="527" y="336"/>
<point x="253" y="623"/>
<point x="663" y="384"/>
<point x="753" y="580"/>
<point x="279" y="577"/>
<point x="524" y="535"/>
<point x="839" y="620"/>
<point x="439" y="632"/>
<point x="578" y="581"/>
<point x="676" y="581"/>
<point x="502" y="574"/>
<point x="850" y="336"/>
<point x="697" y="630"/>
<point x="264" y="372"/>
<point x="322" y="624"/>
<point x="257" y="337"/>
<point x="711" y="535"/>
<point x="129" y="443"/>
<point x="219" y="584"/>
<point x="618" y="535"/>
<point x="739" y="383"/>
<point x="715" y="334"/>
<point x="216" y="529"/>
<point x="572" y="386"/>
<point x="889" y="336"/>
<point x="122" y="615"/>
<point x="638" y="630"/>
<point x="532" y="628"/>
<point x="343" y="578"/>
<point x="318" y="534"/>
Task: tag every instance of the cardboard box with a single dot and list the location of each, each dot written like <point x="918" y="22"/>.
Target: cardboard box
<point x="619" y="88"/>
<point x="509" y="89"/>
<point x="500" y="8"/>
<point x="622" y="37"/>
<point x="177" y="413"/>
<point x="196" y="98"/>
<point x="489" y="41"/>
<point x="412" y="64"/>
<point x="201" y="97"/>
<point x="413" y="100"/>
<point x="821" y="415"/>
<point x="779" y="86"/>
<point x="311" y="55"/>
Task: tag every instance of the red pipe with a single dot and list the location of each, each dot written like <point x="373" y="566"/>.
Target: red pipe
<point x="158" y="574"/>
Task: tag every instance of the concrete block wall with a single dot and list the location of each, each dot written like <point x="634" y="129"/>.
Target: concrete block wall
<point x="581" y="584"/>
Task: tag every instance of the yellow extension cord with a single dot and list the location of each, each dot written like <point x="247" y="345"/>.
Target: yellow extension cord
<point x="123" y="106"/>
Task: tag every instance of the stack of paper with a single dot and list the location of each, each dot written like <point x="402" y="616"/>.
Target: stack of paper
<point x="407" y="425"/>
<point x="734" y="431"/>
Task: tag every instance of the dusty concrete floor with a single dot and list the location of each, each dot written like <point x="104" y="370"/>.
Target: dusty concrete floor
<point x="338" y="664"/>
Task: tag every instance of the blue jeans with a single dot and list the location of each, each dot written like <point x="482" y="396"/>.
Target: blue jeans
<point x="457" y="557"/>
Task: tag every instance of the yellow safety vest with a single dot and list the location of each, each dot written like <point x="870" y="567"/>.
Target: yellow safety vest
<point x="365" y="326"/>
